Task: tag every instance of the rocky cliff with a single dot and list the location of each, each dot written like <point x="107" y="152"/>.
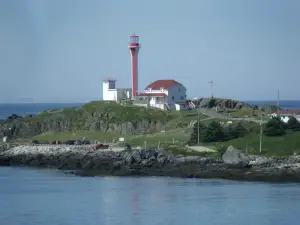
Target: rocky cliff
<point x="231" y="104"/>
<point x="223" y="103"/>
<point x="94" y="116"/>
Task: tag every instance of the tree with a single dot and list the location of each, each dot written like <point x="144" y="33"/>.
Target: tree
<point x="275" y="127"/>
<point x="293" y="124"/>
<point x="194" y="135"/>
<point x="234" y="131"/>
<point x="239" y="130"/>
<point x="213" y="132"/>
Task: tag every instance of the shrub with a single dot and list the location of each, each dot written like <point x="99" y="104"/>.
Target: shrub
<point x="274" y="127"/>
<point x="293" y="124"/>
<point x="211" y="133"/>
<point x="234" y="131"/>
<point x="194" y="135"/>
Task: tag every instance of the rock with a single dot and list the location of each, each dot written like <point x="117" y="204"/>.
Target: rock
<point x="14" y="117"/>
<point x="233" y="156"/>
<point x="224" y="104"/>
<point x="6" y="146"/>
<point x="150" y="162"/>
<point x="136" y="156"/>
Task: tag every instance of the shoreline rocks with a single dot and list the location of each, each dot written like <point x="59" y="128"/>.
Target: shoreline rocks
<point x="148" y="162"/>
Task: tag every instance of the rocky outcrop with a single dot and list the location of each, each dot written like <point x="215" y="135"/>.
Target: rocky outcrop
<point x="6" y="146"/>
<point x="149" y="162"/>
<point x="224" y="104"/>
<point x="233" y="156"/>
<point x="22" y="128"/>
<point x="103" y="117"/>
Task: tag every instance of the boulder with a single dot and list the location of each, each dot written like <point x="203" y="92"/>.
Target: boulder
<point x="233" y="156"/>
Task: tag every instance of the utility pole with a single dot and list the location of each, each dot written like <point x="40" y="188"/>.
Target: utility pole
<point x="198" y="124"/>
<point x="212" y="86"/>
<point x="278" y="105"/>
<point x="260" y="135"/>
<point x="165" y="125"/>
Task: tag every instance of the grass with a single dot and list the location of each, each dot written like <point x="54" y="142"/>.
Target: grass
<point x="52" y="136"/>
<point x="174" y="141"/>
<point x="271" y="146"/>
<point x="181" y="119"/>
<point x="125" y="113"/>
<point x="108" y="110"/>
<point x="175" y="137"/>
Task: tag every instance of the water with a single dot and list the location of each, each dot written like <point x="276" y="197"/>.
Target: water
<point x="286" y="104"/>
<point x="23" y="109"/>
<point x="30" y="108"/>
<point x="49" y="197"/>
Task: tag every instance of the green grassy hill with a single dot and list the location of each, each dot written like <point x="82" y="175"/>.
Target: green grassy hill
<point x="97" y="118"/>
<point x="140" y="126"/>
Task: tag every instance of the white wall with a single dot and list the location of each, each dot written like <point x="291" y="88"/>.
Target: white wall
<point x="156" y="105"/>
<point x="180" y="107"/>
<point x="178" y="92"/>
<point x="109" y="94"/>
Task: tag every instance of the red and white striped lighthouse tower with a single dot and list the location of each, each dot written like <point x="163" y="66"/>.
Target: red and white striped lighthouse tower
<point x="134" y="47"/>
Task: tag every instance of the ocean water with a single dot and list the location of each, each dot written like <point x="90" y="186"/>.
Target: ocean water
<point x="49" y="197"/>
<point x="23" y="109"/>
<point x="30" y="108"/>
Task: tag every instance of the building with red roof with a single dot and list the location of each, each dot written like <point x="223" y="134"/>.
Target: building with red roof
<point x="286" y="114"/>
<point x="165" y="94"/>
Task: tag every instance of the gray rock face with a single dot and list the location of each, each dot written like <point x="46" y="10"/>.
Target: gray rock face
<point x="223" y="103"/>
<point x="6" y="146"/>
<point x="148" y="162"/>
<point x="233" y="156"/>
<point x="25" y="127"/>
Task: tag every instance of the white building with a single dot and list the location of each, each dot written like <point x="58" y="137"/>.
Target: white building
<point x="286" y="114"/>
<point x="164" y="94"/>
<point x="111" y="93"/>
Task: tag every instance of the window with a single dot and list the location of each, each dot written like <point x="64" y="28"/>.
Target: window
<point x="156" y="98"/>
<point x="181" y="97"/>
<point x="172" y="97"/>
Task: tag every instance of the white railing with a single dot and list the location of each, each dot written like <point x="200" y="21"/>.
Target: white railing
<point x="192" y="105"/>
<point x="166" y="107"/>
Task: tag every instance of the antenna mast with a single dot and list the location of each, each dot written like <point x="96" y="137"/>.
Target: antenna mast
<point x="212" y="87"/>
<point x="278" y="105"/>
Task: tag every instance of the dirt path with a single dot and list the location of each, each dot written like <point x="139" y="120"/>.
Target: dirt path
<point x="200" y="149"/>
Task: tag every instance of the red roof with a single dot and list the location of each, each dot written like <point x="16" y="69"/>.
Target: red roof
<point x="289" y="111"/>
<point x="166" y="84"/>
<point x="152" y="94"/>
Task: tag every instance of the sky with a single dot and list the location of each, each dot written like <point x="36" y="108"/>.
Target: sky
<point x="60" y="50"/>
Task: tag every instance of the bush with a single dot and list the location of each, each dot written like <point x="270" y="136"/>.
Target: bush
<point x="211" y="133"/>
<point x="194" y="135"/>
<point x="234" y="131"/>
<point x="293" y="124"/>
<point x="275" y="127"/>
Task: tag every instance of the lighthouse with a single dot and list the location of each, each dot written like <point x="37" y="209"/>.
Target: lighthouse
<point x="134" y="47"/>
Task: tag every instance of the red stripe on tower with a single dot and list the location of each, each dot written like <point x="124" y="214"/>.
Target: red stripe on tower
<point x="134" y="47"/>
